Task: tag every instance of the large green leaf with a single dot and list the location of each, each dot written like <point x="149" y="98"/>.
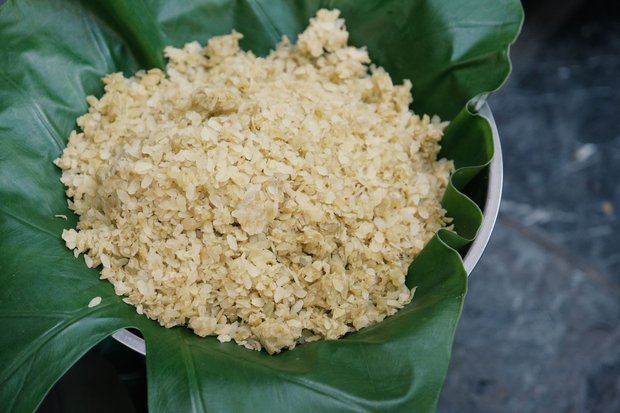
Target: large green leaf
<point x="52" y="55"/>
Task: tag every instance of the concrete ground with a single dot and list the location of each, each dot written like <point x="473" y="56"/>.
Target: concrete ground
<point x="540" y="331"/>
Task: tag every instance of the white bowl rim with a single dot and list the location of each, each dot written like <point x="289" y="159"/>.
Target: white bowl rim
<point x="493" y="199"/>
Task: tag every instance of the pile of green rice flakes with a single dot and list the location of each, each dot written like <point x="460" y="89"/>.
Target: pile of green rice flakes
<point x="271" y="201"/>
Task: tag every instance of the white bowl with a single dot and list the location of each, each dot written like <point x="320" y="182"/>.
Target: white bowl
<point x="491" y="208"/>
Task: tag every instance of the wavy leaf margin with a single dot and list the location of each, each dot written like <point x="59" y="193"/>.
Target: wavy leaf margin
<point x="35" y="115"/>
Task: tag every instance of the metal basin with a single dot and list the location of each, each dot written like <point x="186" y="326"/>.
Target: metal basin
<point x="491" y="208"/>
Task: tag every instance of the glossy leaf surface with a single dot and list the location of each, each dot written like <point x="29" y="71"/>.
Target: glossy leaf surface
<point x="53" y="54"/>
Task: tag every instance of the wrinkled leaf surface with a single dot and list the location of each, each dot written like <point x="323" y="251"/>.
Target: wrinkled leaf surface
<point x="53" y="54"/>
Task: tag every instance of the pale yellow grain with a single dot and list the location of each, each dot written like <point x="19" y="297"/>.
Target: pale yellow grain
<point x="271" y="201"/>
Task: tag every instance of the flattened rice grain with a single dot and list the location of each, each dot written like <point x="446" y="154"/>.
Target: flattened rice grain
<point x="94" y="302"/>
<point x="270" y="201"/>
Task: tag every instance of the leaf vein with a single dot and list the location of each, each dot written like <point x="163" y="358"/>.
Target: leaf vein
<point x="37" y="111"/>
<point x="99" y="42"/>
<point x="347" y="401"/>
<point x="28" y="223"/>
<point x="265" y="19"/>
<point x="198" y="403"/>
<point x="20" y="314"/>
<point x="44" y="338"/>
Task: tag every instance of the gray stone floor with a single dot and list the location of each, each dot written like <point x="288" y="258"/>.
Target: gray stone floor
<point x="540" y="331"/>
